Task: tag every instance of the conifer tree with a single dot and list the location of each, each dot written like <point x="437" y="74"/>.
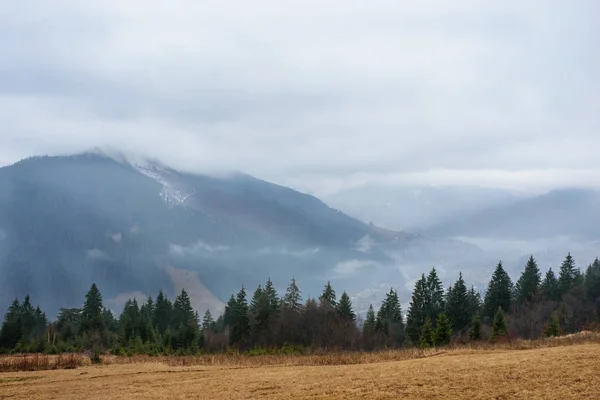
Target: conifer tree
<point x="592" y="281"/>
<point x="458" y="308"/>
<point x="434" y="299"/>
<point x="499" y="292"/>
<point x="344" y="308"/>
<point x="389" y="318"/>
<point x="528" y="286"/>
<point x="475" y="330"/>
<point x="549" y="288"/>
<point x="474" y="300"/>
<point x="369" y="325"/>
<point x="443" y="331"/>
<point x="272" y="298"/>
<point x="553" y="326"/>
<point x="12" y="330"/>
<point x="499" y="325"/>
<point x="427" y="336"/>
<point x="228" y="313"/>
<point x="292" y="299"/>
<point x="241" y="323"/>
<point x="207" y="321"/>
<point x="163" y="310"/>
<point x="417" y="311"/>
<point x="91" y="314"/>
<point x="328" y="296"/>
<point x="567" y="275"/>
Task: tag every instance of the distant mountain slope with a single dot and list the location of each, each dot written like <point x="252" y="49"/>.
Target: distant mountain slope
<point x="567" y="212"/>
<point x="417" y="207"/>
<point x="136" y="228"/>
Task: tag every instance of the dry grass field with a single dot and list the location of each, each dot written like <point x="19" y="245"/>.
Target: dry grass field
<point x="565" y="369"/>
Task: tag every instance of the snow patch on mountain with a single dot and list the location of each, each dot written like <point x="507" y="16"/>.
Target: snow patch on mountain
<point x="170" y="193"/>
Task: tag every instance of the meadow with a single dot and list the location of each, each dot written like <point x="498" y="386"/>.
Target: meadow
<point x="559" y="368"/>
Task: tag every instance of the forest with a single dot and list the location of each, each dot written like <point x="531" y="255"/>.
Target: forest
<point x="534" y="306"/>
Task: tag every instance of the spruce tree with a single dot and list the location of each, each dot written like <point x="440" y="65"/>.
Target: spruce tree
<point x="328" y="296"/>
<point x="499" y="325"/>
<point x="549" y="288"/>
<point x="475" y="330"/>
<point x="443" y="331"/>
<point x="272" y="298"/>
<point x="417" y="312"/>
<point x="389" y="318"/>
<point x="527" y="288"/>
<point x="91" y="314"/>
<point x="567" y="275"/>
<point x="369" y="325"/>
<point x="427" y="334"/>
<point x="434" y="299"/>
<point x="241" y="322"/>
<point x="592" y="281"/>
<point x="499" y="292"/>
<point x="207" y="321"/>
<point x="553" y="327"/>
<point x="228" y="313"/>
<point x="458" y="308"/>
<point x="344" y="308"/>
<point x="163" y="310"/>
<point x="474" y="300"/>
<point x="12" y="330"/>
<point x="292" y="300"/>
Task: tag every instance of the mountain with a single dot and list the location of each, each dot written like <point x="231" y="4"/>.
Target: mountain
<point x="417" y="207"/>
<point x="135" y="228"/>
<point x="566" y="212"/>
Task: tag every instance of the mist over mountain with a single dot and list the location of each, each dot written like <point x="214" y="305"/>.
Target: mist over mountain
<point x="135" y="228"/>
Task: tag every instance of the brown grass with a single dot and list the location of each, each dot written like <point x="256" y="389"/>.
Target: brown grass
<point x="565" y="368"/>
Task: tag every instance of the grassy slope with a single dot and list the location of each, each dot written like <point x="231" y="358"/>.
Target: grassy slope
<point x="562" y="372"/>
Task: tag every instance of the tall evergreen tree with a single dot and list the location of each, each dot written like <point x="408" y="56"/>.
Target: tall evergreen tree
<point x="12" y="329"/>
<point x="434" y="298"/>
<point x="528" y="286"/>
<point x="592" y="281"/>
<point x="163" y="310"/>
<point x="389" y="318"/>
<point x="499" y="292"/>
<point x="458" y="307"/>
<point x="229" y="312"/>
<point x="241" y="324"/>
<point x="328" y="296"/>
<point x="417" y="311"/>
<point x="207" y="321"/>
<point x="369" y="325"/>
<point x="550" y="289"/>
<point x="91" y="314"/>
<point x="272" y="298"/>
<point x="292" y="299"/>
<point x="474" y="300"/>
<point x="567" y="275"/>
<point x="344" y="308"/>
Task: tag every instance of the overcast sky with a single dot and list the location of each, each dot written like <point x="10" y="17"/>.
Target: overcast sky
<point x="314" y="94"/>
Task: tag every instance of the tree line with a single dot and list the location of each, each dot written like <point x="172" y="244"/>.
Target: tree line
<point x="268" y="322"/>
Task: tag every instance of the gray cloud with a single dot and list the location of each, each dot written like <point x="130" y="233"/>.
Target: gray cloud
<point x="315" y="95"/>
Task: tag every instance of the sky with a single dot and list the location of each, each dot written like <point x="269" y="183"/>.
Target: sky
<point x="315" y="95"/>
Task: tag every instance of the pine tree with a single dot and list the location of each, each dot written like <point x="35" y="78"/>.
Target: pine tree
<point x="474" y="300"/>
<point x="417" y="313"/>
<point x="567" y="275"/>
<point x="272" y="298"/>
<point x="499" y="293"/>
<point x="553" y="326"/>
<point x="549" y="288"/>
<point x="434" y="298"/>
<point x="499" y="325"/>
<point x="528" y="286"/>
<point x="592" y="281"/>
<point x="344" y="308"/>
<point x="208" y="322"/>
<point x="389" y="318"/>
<point x="458" y="308"/>
<point x="241" y="323"/>
<point x="328" y="296"/>
<point x="443" y="331"/>
<point x="475" y="331"/>
<point x="427" y="336"/>
<point x="228" y="313"/>
<point x="259" y="313"/>
<point x="292" y="299"/>
<point x="91" y="314"/>
<point x="163" y="310"/>
<point x="369" y="325"/>
<point x="12" y="330"/>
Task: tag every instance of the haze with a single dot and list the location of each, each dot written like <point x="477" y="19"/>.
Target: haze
<point x="317" y="96"/>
